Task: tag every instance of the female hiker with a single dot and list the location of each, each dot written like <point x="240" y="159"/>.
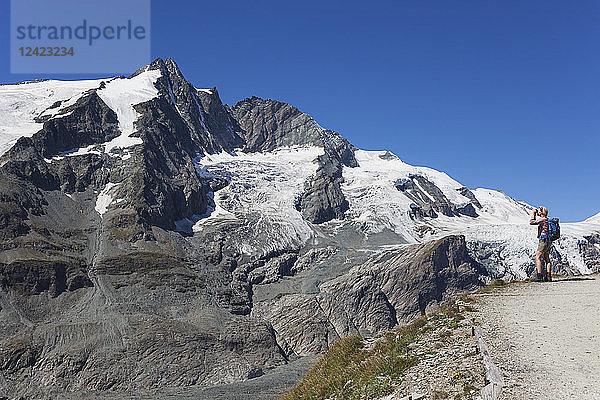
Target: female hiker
<point x="540" y="218"/>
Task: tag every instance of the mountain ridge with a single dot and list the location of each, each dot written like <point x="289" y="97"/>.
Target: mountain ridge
<point x="154" y="237"/>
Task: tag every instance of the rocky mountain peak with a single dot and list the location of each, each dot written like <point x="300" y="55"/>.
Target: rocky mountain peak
<point x="268" y="124"/>
<point x="253" y="124"/>
<point x="167" y="66"/>
<point x="145" y="223"/>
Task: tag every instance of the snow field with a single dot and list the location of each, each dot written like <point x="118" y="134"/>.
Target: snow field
<point x="21" y="104"/>
<point x="121" y="95"/>
<point x="262" y="190"/>
<point x="502" y="221"/>
<point x="105" y="198"/>
<point x="375" y="201"/>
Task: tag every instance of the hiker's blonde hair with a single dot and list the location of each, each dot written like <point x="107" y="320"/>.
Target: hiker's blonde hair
<point x="543" y="210"/>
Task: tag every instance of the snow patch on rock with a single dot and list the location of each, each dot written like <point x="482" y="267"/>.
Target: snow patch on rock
<point x="207" y="91"/>
<point x="104" y="199"/>
<point x="121" y="95"/>
<point x="21" y="103"/>
<point x="376" y="202"/>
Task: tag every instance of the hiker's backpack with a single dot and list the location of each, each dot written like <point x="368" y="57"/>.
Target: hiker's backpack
<point x="553" y="230"/>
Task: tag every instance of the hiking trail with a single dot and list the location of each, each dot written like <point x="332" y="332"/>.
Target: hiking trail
<point x="545" y="338"/>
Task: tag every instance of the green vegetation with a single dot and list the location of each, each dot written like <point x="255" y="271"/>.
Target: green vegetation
<point x="494" y="286"/>
<point x="466" y="381"/>
<point x="465" y="298"/>
<point x="449" y="315"/>
<point x="351" y="371"/>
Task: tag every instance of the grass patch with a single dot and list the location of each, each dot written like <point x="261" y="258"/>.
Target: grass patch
<point x="350" y="371"/>
<point x="465" y="298"/>
<point x="450" y="315"/>
<point x="493" y="286"/>
<point x="451" y="311"/>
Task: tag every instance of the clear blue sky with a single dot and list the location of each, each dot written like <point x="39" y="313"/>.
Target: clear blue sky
<point x="498" y="94"/>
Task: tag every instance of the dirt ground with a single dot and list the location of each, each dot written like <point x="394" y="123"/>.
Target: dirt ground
<point x="545" y="338"/>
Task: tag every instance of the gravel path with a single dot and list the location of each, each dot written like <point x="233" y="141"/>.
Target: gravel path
<point x="545" y="338"/>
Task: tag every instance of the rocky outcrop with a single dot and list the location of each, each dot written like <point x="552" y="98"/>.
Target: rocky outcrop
<point x="219" y="120"/>
<point x="271" y="269"/>
<point x="269" y="124"/>
<point x="18" y="200"/>
<point x="31" y="277"/>
<point x="89" y="121"/>
<point x="429" y="200"/>
<point x="469" y="195"/>
<point x="302" y="326"/>
<point x="590" y="250"/>
<point x="211" y="126"/>
<point x="99" y="291"/>
<point x="165" y="186"/>
<point x="392" y="288"/>
<point x="323" y="199"/>
<point x="411" y="281"/>
<point x="466" y="209"/>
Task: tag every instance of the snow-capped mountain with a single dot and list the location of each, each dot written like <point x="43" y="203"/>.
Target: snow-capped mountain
<point x="154" y="237"/>
<point x="416" y="204"/>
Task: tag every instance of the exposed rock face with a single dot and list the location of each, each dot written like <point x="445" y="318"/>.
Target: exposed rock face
<point x="89" y="121"/>
<point x="123" y="280"/>
<point x="32" y="278"/>
<point x="219" y="120"/>
<point x="590" y="250"/>
<point x="302" y="325"/>
<point x="165" y="185"/>
<point x="270" y="124"/>
<point x="469" y="195"/>
<point x="272" y="269"/>
<point x="429" y="199"/>
<point x="129" y="350"/>
<point x="392" y="288"/>
<point x="211" y="124"/>
<point x="101" y="289"/>
<point x="18" y="200"/>
<point x="323" y="199"/>
<point x="404" y="284"/>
